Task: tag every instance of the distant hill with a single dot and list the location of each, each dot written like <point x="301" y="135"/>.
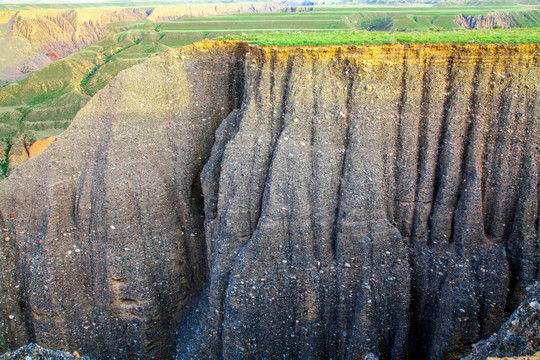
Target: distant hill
<point x="34" y="35"/>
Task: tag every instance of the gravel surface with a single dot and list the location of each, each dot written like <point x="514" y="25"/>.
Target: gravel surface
<point x="519" y="335"/>
<point x="36" y="352"/>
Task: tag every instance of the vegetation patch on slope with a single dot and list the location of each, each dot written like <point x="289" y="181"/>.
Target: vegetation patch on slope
<point x="498" y="36"/>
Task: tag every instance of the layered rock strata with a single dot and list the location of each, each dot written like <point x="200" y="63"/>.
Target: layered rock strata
<point x="36" y="38"/>
<point x="259" y="202"/>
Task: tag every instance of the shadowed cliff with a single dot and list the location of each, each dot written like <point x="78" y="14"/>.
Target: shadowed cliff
<point x="360" y="199"/>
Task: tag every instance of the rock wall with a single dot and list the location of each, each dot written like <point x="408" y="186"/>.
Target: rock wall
<point x="363" y="199"/>
<point x="106" y="228"/>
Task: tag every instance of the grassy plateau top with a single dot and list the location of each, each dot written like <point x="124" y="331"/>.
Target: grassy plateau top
<point x="493" y="36"/>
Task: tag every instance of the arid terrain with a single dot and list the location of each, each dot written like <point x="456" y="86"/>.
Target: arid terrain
<point x="228" y="200"/>
<point x="32" y="39"/>
<point x="66" y="53"/>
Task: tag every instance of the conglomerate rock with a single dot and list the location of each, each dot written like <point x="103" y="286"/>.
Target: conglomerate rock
<point x="353" y="200"/>
<point x="518" y="336"/>
<point x="36" y="352"/>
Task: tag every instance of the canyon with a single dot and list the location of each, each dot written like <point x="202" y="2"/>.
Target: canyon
<point x="102" y="40"/>
<point x="227" y="200"/>
<point x="35" y="38"/>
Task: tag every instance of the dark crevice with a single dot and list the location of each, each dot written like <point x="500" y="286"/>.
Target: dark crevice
<point x="513" y="280"/>
<point x="348" y="105"/>
<point x="196" y="247"/>
<point x="194" y="261"/>
<point x="342" y="325"/>
<point x="423" y="138"/>
<point x="467" y="161"/>
<point x="312" y="186"/>
<point x="508" y="215"/>
<point x="400" y="142"/>
<point x="499" y="161"/>
<point x="24" y="300"/>
<point x="227" y="277"/>
<point x="442" y="139"/>
<point x="488" y="150"/>
<point x="237" y="82"/>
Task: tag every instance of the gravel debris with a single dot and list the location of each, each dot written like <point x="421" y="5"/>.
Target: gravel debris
<point x="35" y="352"/>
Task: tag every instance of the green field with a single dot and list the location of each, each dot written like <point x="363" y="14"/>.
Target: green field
<point x="357" y="18"/>
<point x="44" y="104"/>
<point x="500" y="36"/>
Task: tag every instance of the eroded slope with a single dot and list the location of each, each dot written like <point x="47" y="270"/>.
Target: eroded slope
<point x="357" y="199"/>
<point x="101" y="246"/>
<point x="35" y="38"/>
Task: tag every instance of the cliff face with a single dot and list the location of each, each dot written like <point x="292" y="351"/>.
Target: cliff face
<point x="363" y="199"/>
<point x="104" y="246"/>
